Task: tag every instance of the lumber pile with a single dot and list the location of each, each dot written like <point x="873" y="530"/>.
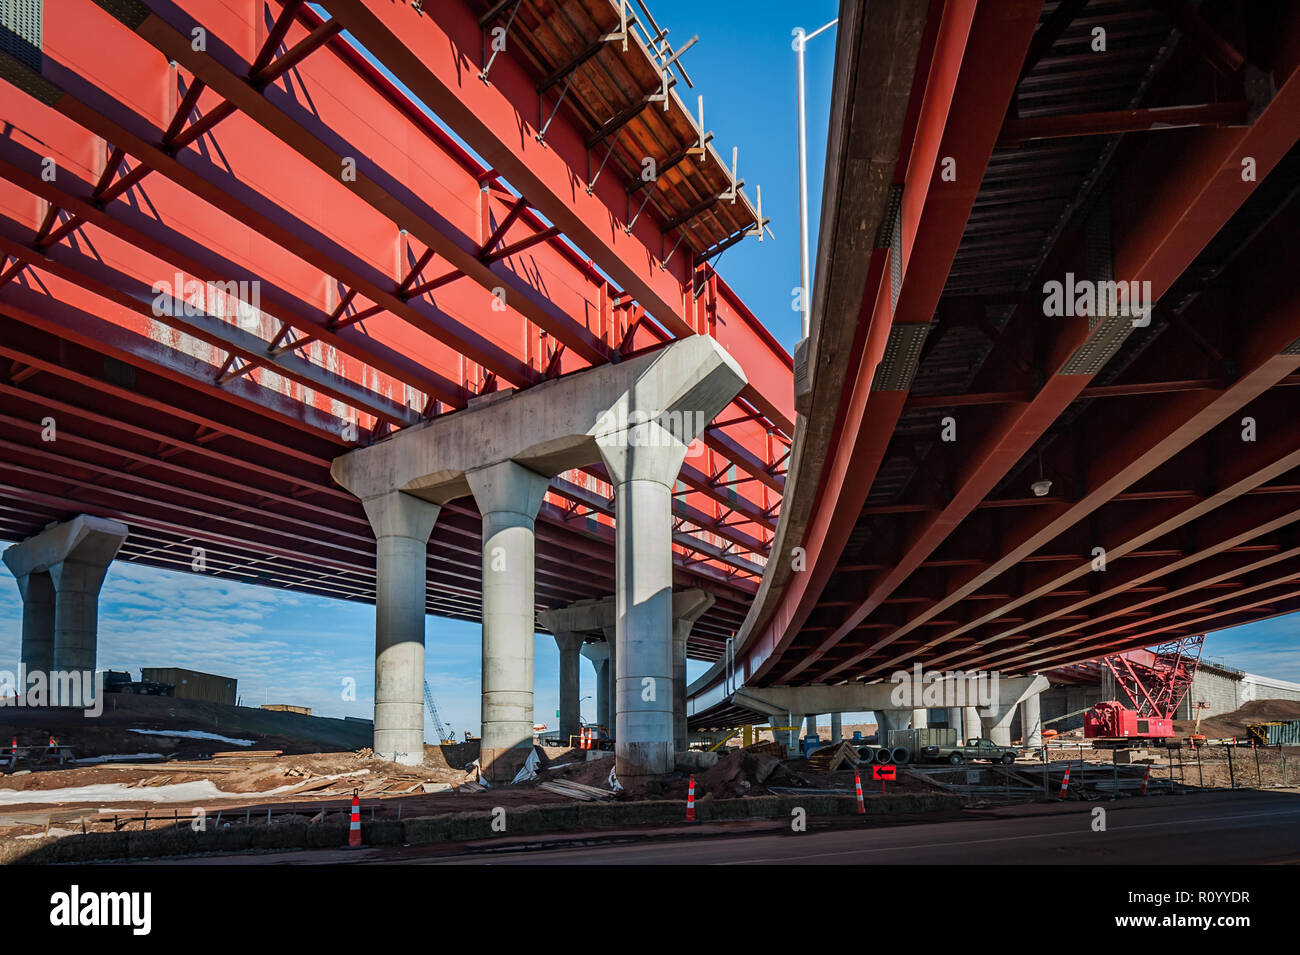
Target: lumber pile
<point x="250" y="754"/>
<point x="827" y="759"/>
<point x="765" y="747"/>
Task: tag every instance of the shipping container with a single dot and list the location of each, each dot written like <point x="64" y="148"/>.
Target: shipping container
<point x="1281" y="733"/>
<point x="194" y="685"/>
<point x="917" y="739"/>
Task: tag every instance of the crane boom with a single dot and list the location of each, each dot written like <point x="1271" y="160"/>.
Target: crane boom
<point x="444" y="732"/>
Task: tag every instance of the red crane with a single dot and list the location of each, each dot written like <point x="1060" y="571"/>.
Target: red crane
<point x="1154" y="681"/>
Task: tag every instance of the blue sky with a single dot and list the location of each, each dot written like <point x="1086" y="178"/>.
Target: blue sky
<point x="293" y="648"/>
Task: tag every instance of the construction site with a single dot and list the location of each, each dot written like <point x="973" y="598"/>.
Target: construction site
<point x="867" y="426"/>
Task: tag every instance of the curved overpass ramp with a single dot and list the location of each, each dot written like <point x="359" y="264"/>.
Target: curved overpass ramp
<point x="1000" y="463"/>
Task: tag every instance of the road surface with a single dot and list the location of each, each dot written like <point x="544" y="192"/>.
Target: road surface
<point x="1210" y="829"/>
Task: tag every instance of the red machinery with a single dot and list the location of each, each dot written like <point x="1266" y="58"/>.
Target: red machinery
<point x="1155" y="682"/>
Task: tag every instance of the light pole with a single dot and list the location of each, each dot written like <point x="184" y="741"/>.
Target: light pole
<point x="805" y="293"/>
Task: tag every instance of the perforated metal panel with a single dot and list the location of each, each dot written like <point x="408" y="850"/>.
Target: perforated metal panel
<point x="21" y="33"/>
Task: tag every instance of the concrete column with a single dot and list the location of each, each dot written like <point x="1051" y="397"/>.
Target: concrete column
<point x="598" y="654"/>
<point x="1000" y="723"/>
<point x="887" y="720"/>
<point x="402" y="525"/>
<point x="810" y="724"/>
<point x="920" y="719"/>
<point x="688" y="607"/>
<point x="971" y="722"/>
<point x="611" y="677"/>
<point x="570" y="646"/>
<point x="508" y="496"/>
<point x="37" y="591"/>
<point x="66" y="562"/>
<point x="1031" y="720"/>
<point x="837" y="728"/>
<point x="783" y="736"/>
<point x="643" y="462"/>
<point x="954" y="720"/>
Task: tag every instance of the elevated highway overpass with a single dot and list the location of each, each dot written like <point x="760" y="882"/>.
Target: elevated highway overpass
<point x="982" y="479"/>
<point x="252" y="281"/>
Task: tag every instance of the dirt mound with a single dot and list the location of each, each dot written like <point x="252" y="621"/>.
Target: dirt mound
<point x="111" y="731"/>
<point x="1229" y="725"/>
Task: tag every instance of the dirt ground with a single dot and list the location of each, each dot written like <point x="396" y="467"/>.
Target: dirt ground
<point x="110" y="731"/>
<point x="1233" y="725"/>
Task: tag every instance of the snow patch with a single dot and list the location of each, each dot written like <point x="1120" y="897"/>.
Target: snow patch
<point x="196" y="734"/>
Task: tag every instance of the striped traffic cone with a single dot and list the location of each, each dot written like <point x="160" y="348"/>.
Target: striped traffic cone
<point x="354" y="828"/>
<point x="1065" y="783"/>
<point x="690" y="800"/>
<point x="1146" y="778"/>
<point x="857" y="784"/>
<point x="13" y="745"/>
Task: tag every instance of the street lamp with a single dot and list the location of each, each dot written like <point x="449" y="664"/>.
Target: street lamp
<point x="805" y="293"/>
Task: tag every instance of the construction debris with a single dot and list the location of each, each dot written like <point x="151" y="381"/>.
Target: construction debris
<point x="575" y="790"/>
<point x="827" y="759"/>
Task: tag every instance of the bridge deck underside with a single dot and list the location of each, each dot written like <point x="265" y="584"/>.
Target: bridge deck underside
<point x="396" y="278"/>
<point x="1170" y="445"/>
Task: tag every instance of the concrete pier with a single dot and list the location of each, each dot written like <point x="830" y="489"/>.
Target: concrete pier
<point x="37" y="590"/>
<point x="643" y="468"/>
<point x="972" y="722"/>
<point x="638" y="417"/>
<point x="402" y="525"/>
<point x="688" y="607"/>
<point x="570" y="647"/>
<point x="887" y="720"/>
<point x="837" y="728"/>
<point x="598" y="654"/>
<point x="60" y="572"/>
<point x="920" y="719"/>
<point x="508" y="496"/>
<point x="810" y="724"/>
<point x="1031" y="720"/>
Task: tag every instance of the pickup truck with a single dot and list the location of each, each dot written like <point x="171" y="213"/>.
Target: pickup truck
<point x="119" y="681"/>
<point x="974" y="748"/>
<point x="941" y="745"/>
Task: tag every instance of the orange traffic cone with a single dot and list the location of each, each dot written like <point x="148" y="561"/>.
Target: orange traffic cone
<point x="690" y="800"/>
<point x="1065" y="783"/>
<point x="354" y="828"/>
<point x="1142" y="790"/>
<point x="857" y="783"/>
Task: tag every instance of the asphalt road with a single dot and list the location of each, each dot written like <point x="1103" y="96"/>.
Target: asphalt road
<point x="1210" y="829"/>
<point x="1204" y="830"/>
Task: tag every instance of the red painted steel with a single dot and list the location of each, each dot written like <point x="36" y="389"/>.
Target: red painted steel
<point x="376" y="304"/>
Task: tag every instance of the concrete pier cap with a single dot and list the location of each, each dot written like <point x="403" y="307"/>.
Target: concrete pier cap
<point x="637" y="417"/>
<point x="59" y="573"/>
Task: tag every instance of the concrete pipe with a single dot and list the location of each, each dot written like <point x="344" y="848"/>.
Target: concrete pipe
<point x="901" y="754"/>
<point x="867" y="754"/>
<point x="884" y="755"/>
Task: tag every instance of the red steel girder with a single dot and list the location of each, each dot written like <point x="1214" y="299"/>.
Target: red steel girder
<point x="1216" y="537"/>
<point x="169" y="28"/>
<point x="1178" y="216"/>
<point x="430" y="52"/>
<point x="1268" y="357"/>
<point x="960" y="118"/>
